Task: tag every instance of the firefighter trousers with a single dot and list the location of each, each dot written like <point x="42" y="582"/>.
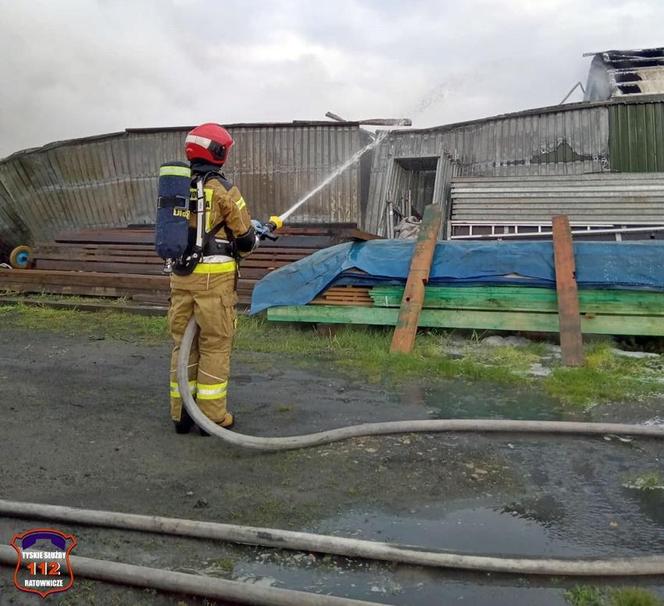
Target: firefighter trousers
<point x="211" y="301"/>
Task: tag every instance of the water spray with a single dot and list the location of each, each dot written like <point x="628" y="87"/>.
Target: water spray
<point x="345" y="166"/>
<point x="275" y="222"/>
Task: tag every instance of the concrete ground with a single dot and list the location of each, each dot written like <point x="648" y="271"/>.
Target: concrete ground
<point x="85" y="424"/>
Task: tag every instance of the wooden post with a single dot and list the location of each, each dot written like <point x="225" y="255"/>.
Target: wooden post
<point x="571" y="342"/>
<point x="403" y="339"/>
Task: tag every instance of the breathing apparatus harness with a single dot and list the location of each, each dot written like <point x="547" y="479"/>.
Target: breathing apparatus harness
<point x="204" y="243"/>
<point x="181" y="192"/>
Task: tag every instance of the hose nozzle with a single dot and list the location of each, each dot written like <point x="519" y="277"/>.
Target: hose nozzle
<point x="276" y="222"/>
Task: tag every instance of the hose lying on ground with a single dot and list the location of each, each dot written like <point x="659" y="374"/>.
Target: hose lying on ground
<point x="340" y="546"/>
<point x="191" y="584"/>
<point x="392" y="427"/>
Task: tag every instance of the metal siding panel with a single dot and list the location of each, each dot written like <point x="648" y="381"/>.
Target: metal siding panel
<point x="547" y="143"/>
<point x="113" y="181"/>
<point x="278" y="149"/>
<point x="649" y="147"/>
<point x="636" y="198"/>
<point x="18" y="184"/>
<point x="55" y="181"/>
<point x="637" y="137"/>
<point x="316" y="207"/>
<point x="13" y="230"/>
<point x="79" y="184"/>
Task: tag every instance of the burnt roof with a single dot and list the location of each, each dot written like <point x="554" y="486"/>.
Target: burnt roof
<point x="633" y="59"/>
<point x="616" y="73"/>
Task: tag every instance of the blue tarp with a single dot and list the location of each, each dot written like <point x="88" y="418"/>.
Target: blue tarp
<point x="629" y="265"/>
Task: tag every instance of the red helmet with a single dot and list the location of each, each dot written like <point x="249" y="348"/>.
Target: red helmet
<point x="209" y="142"/>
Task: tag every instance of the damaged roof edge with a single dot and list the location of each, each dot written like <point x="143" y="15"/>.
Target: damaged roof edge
<point x="549" y="109"/>
<point x="167" y="129"/>
<point x="644" y="98"/>
<point x="293" y="124"/>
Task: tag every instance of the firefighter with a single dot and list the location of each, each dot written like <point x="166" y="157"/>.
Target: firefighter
<point x="209" y="291"/>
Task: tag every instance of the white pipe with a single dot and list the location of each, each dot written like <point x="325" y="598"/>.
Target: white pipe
<point x="341" y="546"/>
<point x="393" y="427"/>
<point x="190" y="584"/>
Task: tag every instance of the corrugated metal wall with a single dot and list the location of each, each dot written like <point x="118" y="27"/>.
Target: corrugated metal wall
<point x="111" y="180"/>
<point x="637" y="136"/>
<point x="625" y="199"/>
<point x="276" y="166"/>
<point x="566" y="141"/>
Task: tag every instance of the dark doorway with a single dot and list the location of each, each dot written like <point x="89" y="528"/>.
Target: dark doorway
<point x="413" y="184"/>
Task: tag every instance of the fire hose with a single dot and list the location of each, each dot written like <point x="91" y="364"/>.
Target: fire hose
<point x="264" y="230"/>
<point x="391" y="427"/>
<point x="334" y="545"/>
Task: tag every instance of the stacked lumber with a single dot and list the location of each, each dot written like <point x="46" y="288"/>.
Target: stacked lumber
<point x="121" y="262"/>
<point x="345" y="295"/>
<point x="88" y="283"/>
<point x="613" y="312"/>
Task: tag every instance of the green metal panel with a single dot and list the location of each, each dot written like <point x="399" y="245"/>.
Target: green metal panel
<point x="636" y="137"/>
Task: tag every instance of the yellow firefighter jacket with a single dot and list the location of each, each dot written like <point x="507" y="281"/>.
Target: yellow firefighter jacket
<point x="223" y="205"/>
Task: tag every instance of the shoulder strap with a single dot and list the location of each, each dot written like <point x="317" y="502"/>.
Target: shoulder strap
<point x="221" y="178"/>
<point x="217" y="228"/>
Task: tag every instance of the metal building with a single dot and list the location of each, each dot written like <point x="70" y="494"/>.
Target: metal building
<point x="110" y="180"/>
<point x="624" y="134"/>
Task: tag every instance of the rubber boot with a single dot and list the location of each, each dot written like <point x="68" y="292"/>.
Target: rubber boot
<point x="185" y="423"/>
<point x="227" y="423"/>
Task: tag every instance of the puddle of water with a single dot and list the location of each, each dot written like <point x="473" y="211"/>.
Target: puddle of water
<point x="537" y="529"/>
<point x="651" y="503"/>
<point x="402" y="585"/>
<point x="462" y="399"/>
<point x="472" y="529"/>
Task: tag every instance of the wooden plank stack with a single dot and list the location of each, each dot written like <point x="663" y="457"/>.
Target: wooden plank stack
<point x="345" y="295"/>
<point x="566" y="310"/>
<point x="614" y="312"/>
<point x="121" y="262"/>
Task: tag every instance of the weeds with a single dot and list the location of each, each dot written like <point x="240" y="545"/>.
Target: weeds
<point x="590" y="595"/>
<point x="111" y="324"/>
<point x="517" y="358"/>
<point x="651" y="480"/>
<point x="223" y="566"/>
<point x="364" y="352"/>
<point x="633" y="596"/>
<point x="585" y="595"/>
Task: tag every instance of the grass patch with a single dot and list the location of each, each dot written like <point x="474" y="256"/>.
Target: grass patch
<point x="222" y="565"/>
<point x="604" y="377"/>
<point x="364" y="352"/>
<point x="585" y="595"/>
<point x="651" y="480"/>
<point x="590" y="595"/>
<point x="517" y="358"/>
<point x="108" y="324"/>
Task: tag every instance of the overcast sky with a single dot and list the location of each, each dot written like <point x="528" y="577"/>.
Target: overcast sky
<point x="73" y="68"/>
